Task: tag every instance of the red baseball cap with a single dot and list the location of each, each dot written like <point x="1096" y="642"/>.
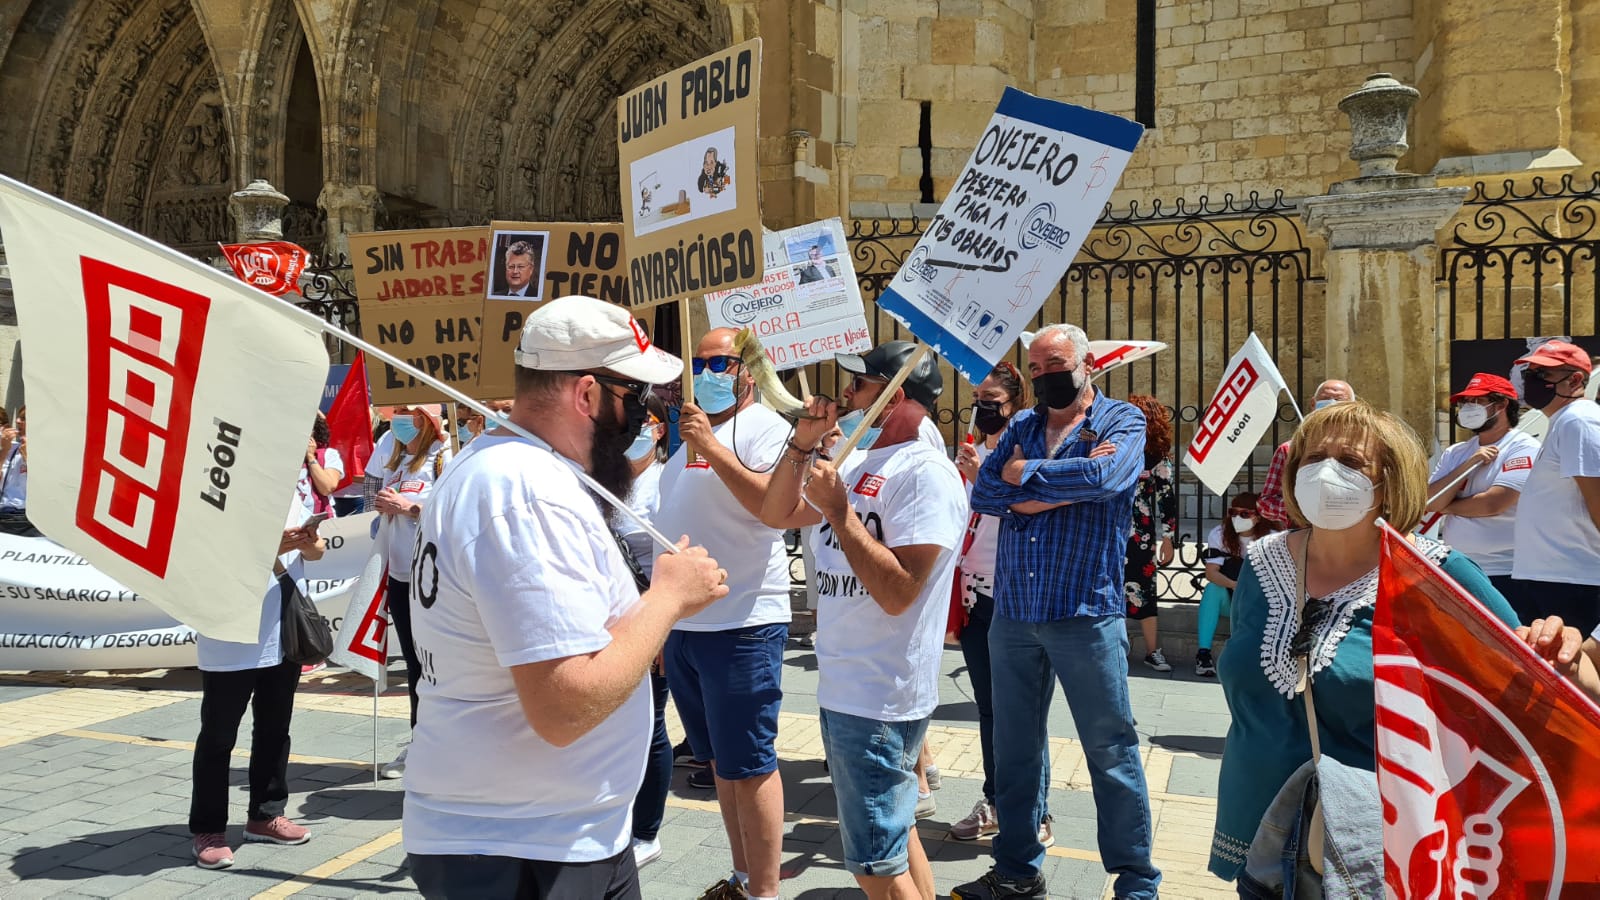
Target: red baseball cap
<point x="1557" y="354"/>
<point x="1482" y="385"/>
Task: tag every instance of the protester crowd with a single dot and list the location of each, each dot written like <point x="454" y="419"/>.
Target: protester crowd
<point x="543" y="631"/>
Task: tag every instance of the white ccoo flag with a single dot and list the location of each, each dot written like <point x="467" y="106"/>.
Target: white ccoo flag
<point x="1240" y="412"/>
<point x="169" y="409"/>
<point x="362" y="644"/>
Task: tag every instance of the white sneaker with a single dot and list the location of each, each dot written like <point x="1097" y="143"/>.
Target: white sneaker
<point x="935" y="781"/>
<point x="646" y="852"/>
<point x="397" y="768"/>
<point x="927" y="807"/>
<point x="979" y="823"/>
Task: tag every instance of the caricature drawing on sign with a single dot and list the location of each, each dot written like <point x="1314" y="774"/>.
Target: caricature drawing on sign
<point x="689" y="180"/>
<point x="713" y="173"/>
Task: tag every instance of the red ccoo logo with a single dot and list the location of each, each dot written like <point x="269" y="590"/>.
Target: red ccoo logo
<point x="869" y="485"/>
<point x="144" y="344"/>
<point x="1219" y="414"/>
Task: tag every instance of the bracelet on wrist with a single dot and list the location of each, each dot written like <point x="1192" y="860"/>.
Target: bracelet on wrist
<point x="805" y="451"/>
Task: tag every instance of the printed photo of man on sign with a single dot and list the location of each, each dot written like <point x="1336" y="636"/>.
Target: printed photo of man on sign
<point x="516" y="268"/>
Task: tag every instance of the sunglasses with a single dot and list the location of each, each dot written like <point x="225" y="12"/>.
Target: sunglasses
<point x="861" y="381"/>
<point x="717" y="364"/>
<point x="637" y="389"/>
<point x="1242" y="512"/>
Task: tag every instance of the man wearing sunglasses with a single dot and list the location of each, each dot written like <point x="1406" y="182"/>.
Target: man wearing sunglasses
<point x="724" y="665"/>
<point x="1556" y="564"/>
<point x="535" y="642"/>
<point x="889" y="520"/>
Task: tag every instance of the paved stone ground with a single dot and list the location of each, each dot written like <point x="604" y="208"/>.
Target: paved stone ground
<point x="94" y="792"/>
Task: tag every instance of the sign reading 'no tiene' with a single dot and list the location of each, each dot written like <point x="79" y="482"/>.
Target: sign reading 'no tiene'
<point x="1002" y="239"/>
<point x="691" y="209"/>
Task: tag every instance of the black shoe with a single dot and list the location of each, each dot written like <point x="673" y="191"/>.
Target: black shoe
<point x="703" y="779"/>
<point x="683" y="757"/>
<point x="994" y="886"/>
<point x="1204" y="665"/>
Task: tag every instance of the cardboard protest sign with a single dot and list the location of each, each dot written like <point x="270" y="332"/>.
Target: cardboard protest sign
<point x="421" y="295"/>
<point x="808" y="307"/>
<point x="571" y="258"/>
<point x="1002" y="239"/>
<point x="690" y="184"/>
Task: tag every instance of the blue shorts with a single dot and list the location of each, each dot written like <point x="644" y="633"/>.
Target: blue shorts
<point x="874" y="768"/>
<point x="728" y="687"/>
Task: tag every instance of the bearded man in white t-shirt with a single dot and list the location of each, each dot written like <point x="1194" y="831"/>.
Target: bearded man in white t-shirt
<point x="889" y="519"/>
<point x="535" y="644"/>
<point x="725" y="665"/>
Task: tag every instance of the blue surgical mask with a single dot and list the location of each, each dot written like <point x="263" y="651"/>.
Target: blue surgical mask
<point x="403" y="428"/>
<point x="1325" y="403"/>
<point x="463" y="434"/>
<point x="855" y="421"/>
<point x="714" y="393"/>
<point x="643" y="445"/>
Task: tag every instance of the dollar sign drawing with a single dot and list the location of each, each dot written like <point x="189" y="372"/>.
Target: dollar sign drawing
<point x="1097" y="173"/>
<point x="1024" y="287"/>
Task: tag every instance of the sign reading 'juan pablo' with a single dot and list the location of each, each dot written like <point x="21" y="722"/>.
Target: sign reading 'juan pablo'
<point x="1021" y="208"/>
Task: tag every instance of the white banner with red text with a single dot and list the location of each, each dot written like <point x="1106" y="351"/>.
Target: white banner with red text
<point x="1244" y="406"/>
<point x="59" y="613"/>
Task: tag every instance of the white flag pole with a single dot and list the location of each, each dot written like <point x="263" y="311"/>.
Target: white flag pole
<point x="375" y="730"/>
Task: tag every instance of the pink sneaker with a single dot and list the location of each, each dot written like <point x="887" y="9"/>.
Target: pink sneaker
<point x="211" y="851"/>
<point x="276" y="831"/>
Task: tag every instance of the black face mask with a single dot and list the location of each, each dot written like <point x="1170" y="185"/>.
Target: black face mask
<point x="608" y="455"/>
<point x="987" y="417"/>
<point x="1537" y="392"/>
<point x="1057" y="390"/>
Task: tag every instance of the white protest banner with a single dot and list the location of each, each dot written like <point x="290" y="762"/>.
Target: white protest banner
<point x="690" y="181"/>
<point x="59" y="613"/>
<point x="362" y="641"/>
<point x="1240" y="412"/>
<point x="1002" y="239"/>
<point x="808" y="308"/>
<point x="170" y="407"/>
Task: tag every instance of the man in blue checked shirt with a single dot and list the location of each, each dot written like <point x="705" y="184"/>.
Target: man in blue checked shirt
<point x="1062" y="482"/>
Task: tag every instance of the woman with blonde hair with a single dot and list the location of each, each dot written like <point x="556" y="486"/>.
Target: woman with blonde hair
<point x="1305" y="598"/>
<point x="421" y="450"/>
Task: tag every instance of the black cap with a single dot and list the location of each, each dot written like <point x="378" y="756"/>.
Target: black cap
<point x="923" y="385"/>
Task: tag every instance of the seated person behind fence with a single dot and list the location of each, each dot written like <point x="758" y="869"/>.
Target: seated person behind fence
<point x="1347" y="465"/>
<point x="1224" y="558"/>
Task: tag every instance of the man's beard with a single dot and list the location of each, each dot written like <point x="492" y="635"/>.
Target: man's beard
<point x="608" y="458"/>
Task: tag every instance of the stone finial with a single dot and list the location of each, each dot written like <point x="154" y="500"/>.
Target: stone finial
<point x="1377" y="112"/>
<point x="258" y="212"/>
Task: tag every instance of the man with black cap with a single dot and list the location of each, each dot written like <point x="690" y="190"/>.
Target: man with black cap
<point x="535" y="644"/>
<point x="1556" y="564"/>
<point x="889" y="521"/>
<point x="1477" y="482"/>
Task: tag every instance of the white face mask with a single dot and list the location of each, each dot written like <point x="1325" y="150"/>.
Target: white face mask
<point x="1472" y="416"/>
<point x="1332" y="495"/>
<point x="1243" y="525"/>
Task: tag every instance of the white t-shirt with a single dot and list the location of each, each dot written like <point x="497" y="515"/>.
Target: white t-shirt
<point x="414" y="486"/>
<point x="1215" y="554"/>
<point x="1487" y="540"/>
<point x="980" y="557"/>
<point x="871" y="664"/>
<point x="928" y="432"/>
<point x="644" y="499"/>
<point x="14" y="479"/>
<point x="694" y="501"/>
<point x="381" y="451"/>
<point x="331" y="461"/>
<point x="267" y="651"/>
<point x="516" y="566"/>
<point x="1559" y="542"/>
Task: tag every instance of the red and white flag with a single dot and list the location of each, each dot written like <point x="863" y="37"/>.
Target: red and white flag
<point x="1111" y="355"/>
<point x="350" y="422"/>
<point x="272" y="267"/>
<point x="1240" y="412"/>
<point x="362" y="644"/>
<point x="1486" y="755"/>
<point x="169" y="408"/>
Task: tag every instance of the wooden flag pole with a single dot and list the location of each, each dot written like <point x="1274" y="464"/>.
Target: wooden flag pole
<point x="688" y="365"/>
<point x="876" y="409"/>
<point x="805" y="387"/>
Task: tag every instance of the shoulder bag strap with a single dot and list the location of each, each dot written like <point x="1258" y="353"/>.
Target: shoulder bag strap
<point x="1316" y="829"/>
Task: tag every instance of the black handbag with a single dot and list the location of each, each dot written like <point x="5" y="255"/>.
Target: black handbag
<point x="305" y="637"/>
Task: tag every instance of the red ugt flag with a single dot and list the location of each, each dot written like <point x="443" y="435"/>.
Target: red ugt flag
<point x="1487" y="758"/>
<point x="273" y="267"/>
<point x="350" y="423"/>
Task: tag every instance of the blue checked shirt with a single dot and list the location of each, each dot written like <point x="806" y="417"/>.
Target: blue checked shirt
<point x="1068" y="561"/>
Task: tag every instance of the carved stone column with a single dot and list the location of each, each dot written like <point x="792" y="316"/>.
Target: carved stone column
<point x="351" y="208"/>
<point x="1381" y="325"/>
<point x="257" y="212"/>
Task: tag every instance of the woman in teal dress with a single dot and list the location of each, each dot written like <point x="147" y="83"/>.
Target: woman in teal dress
<point x="1348" y="464"/>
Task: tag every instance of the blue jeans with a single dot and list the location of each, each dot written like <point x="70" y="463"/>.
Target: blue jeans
<point x="875" y="784"/>
<point x="728" y="686"/>
<point x="1089" y="655"/>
